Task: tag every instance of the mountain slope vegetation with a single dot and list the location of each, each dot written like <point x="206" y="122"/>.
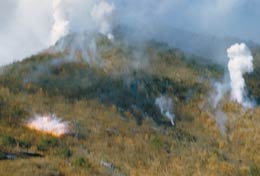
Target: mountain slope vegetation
<point x="117" y="128"/>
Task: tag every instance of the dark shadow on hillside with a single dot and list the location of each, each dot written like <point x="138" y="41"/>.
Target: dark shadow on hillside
<point x="134" y="92"/>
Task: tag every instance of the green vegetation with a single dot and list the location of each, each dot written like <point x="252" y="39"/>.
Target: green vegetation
<point x="47" y="143"/>
<point x="112" y="113"/>
<point x="65" y="152"/>
<point x="252" y="79"/>
<point x="25" y="144"/>
<point x="8" y="141"/>
<point x="254" y="170"/>
<point x="81" y="162"/>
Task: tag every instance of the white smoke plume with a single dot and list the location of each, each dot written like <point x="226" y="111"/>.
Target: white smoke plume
<point x="240" y="62"/>
<point x="221" y="119"/>
<point x="165" y="104"/>
<point x="102" y="13"/>
<point x="49" y="124"/>
<point x="220" y="89"/>
<point x="30" y="23"/>
<point x="61" y="23"/>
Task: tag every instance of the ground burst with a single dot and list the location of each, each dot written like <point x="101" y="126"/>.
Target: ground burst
<point x="49" y="124"/>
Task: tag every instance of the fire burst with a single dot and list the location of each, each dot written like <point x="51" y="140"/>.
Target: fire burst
<point x="49" y="124"/>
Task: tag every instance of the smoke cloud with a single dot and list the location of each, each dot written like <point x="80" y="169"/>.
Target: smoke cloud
<point x="49" y="125"/>
<point x="165" y="105"/>
<point x="220" y="89"/>
<point x="61" y="24"/>
<point x="29" y="26"/>
<point x="25" y="26"/>
<point x="102" y="13"/>
<point x="240" y="62"/>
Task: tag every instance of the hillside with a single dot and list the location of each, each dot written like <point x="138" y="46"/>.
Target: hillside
<point x="108" y="95"/>
<point x="211" y="48"/>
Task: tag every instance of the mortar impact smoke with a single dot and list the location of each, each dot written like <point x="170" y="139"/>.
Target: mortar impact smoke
<point x="102" y="13"/>
<point x="240" y="62"/>
<point x="165" y="105"/>
<point x="216" y="97"/>
<point x="49" y="125"/>
<point x="60" y="27"/>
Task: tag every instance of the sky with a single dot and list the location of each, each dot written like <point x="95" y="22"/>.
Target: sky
<point x="26" y="25"/>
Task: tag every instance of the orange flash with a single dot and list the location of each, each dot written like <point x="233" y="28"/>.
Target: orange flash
<point x="49" y="125"/>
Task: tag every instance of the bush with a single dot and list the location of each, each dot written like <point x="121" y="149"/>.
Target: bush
<point x="8" y="141"/>
<point x="45" y="144"/>
<point x="25" y="144"/>
<point x="2" y="155"/>
<point x="81" y="162"/>
<point x="66" y="153"/>
<point x="254" y="170"/>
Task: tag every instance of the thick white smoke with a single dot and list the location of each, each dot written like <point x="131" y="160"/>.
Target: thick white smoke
<point x="25" y="27"/>
<point x="49" y="125"/>
<point x="166" y="107"/>
<point x="29" y="26"/>
<point x="61" y="23"/>
<point x="102" y="13"/>
<point x="240" y="62"/>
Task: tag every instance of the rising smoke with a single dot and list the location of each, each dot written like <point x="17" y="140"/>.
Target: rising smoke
<point x="166" y="107"/>
<point x="29" y="26"/>
<point x="80" y="43"/>
<point x="61" y="23"/>
<point x="220" y="89"/>
<point x="102" y="13"/>
<point x="240" y="62"/>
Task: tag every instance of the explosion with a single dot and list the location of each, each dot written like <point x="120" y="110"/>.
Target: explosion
<point x="49" y="124"/>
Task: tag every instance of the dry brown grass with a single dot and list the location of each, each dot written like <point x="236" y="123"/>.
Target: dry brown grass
<point x="138" y="150"/>
<point x="194" y="146"/>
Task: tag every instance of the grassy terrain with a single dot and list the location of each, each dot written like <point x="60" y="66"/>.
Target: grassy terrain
<point x="112" y="113"/>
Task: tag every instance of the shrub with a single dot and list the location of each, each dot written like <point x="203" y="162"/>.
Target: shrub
<point x="254" y="170"/>
<point x="25" y="144"/>
<point x="45" y="144"/>
<point x="8" y="141"/>
<point x="81" y="162"/>
<point x="2" y="155"/>
<point x="65" y="152"/>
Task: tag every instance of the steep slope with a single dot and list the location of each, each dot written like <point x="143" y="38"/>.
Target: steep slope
<point x="107" y="92"/>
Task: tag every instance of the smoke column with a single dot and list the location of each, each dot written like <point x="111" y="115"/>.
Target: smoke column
<point x="165" y="105"/>
<point x="61" y="24"/>
<point x="102" y="14"/>
<point x="30" y="23"/>
<point x="240" y="62"/>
